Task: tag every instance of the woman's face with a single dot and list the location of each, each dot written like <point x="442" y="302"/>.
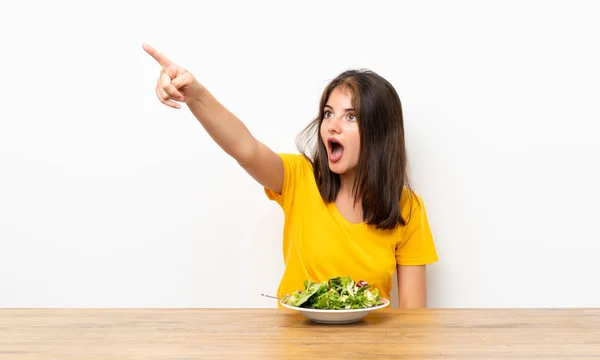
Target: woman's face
<point x="340" y="133"/>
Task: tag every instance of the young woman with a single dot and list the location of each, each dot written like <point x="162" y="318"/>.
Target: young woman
<point x="348" y="207"/>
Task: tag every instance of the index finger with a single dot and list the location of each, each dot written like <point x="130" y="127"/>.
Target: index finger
<point x="162" y="60"/>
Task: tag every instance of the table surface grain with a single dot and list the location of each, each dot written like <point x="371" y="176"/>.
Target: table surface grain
<point x="284" y="334"/>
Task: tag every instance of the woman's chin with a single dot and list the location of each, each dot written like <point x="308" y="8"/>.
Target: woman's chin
<point x="342" y="168"/>
<point x="336" y="168"/>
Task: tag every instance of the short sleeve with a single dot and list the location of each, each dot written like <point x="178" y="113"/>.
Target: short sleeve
<point x="416" y="246"/>
<point x="294" y="166"/>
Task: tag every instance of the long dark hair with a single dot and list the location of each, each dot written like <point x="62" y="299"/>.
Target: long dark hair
<point x="381" y="173"/>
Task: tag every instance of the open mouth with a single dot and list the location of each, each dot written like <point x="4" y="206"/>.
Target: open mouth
<point x="336" y="149"/>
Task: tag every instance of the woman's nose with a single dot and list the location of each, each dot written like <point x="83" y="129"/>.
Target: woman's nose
<point x="335" y="125"/>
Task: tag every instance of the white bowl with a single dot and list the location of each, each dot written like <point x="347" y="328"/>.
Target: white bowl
<point x="336" y="316"/>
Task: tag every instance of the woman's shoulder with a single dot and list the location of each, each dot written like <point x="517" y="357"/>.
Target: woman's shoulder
<point x="295" y="157"/>
<point x="408" y="195"/>
<point x="294" y="162"/>
<point x="297" y="171"/>
<point x="410" y="202"/>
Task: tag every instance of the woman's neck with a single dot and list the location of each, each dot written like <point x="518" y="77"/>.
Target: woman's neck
<point x="346" y="184"/>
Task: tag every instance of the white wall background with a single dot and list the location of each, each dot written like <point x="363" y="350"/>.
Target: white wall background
<point x="109" y="198"/>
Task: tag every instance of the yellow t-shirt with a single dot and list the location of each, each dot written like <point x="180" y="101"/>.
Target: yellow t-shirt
<point x="318" y="242"/>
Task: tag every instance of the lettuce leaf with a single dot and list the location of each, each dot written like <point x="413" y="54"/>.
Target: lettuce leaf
<point x="338" y="293"/>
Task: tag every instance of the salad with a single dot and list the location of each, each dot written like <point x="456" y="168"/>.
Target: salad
<point x="338" y="293"/>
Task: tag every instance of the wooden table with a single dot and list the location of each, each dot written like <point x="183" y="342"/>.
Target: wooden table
<point x="283" y="334"/>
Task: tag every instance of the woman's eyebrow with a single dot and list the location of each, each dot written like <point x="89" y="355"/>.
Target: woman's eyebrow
<point x="349" y="109"/>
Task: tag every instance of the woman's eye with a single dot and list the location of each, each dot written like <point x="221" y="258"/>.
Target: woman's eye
<point x="327" y="113"/>
<point x="351" y="117"/>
